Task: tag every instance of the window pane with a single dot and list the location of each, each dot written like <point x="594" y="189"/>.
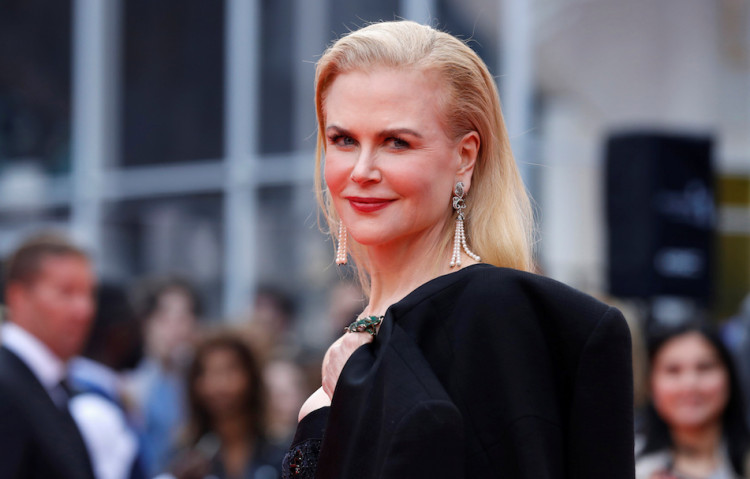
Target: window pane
<point x="179" y="235"/>
<point x="350" y="15"/>
<point x="35" y="40"/>
<point x="173" y="81"/>
<point x="476" y="21"/>
<point x="277" y="77"/>
<point x="16" y="226"/>
<point x="277" y="234"/>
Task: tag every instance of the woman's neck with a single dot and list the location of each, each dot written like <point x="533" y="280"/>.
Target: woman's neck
<point x="397" y="271"/>
<point x="232" y="429"/>
<point x="696" y="449"/>
<point x="697" y="440"/>
<point x="237" y="443"/>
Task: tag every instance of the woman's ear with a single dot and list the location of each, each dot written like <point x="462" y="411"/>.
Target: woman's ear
<point x="468" y="151"/>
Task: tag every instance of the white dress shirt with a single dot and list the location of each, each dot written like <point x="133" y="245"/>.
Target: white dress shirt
<point x="656" y="462"/>
<point x="48" y="368"/>
<point x="111" y="443"/>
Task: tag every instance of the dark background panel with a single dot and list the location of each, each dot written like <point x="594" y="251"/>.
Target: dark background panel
<point x="173" y="85"/>
<point x="35" y="72"/>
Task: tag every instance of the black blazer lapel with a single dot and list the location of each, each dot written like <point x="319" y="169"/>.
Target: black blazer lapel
<point x="417" y="432"/>
<point x="54" y="431"/>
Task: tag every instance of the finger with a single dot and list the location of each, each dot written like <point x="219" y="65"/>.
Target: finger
<point x="332" y="367"/>
<point x="341" y="349"/>
<point x="357" y="339"/>
<point x="337" y="356"/>
<point x="330" y="353"/>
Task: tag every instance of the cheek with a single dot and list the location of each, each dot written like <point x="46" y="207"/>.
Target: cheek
<point x="241" y="386"/>
<point x="89" y="305"/>
<point x="717" y="386"/>
<point x="432" y="193"/>
<point x="336" y="172"/>
<point x="48" y="303"/>
<point x="664" y="390"/>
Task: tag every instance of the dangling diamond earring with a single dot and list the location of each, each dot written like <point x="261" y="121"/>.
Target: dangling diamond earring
<point x="341" y="248"/>
<point x="459" y="238"/>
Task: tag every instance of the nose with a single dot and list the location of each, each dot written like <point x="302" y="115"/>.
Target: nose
<point x="365" y="168"/>
<point x="690" y="380"/>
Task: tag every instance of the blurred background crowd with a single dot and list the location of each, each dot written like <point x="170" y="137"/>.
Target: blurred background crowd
<point x="174" y="140"/>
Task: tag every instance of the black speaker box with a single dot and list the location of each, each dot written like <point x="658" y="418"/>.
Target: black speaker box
<point x="660" y="215"/>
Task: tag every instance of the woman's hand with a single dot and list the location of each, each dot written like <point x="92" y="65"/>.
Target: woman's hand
<point x="337" y="355"/>
<point x="317" y="400"/>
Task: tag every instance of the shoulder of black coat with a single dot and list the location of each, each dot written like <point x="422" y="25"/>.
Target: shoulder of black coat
<point x="520" y="290"/>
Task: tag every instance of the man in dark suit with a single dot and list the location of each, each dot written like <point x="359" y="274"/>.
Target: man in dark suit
<point x="49" y="295"/>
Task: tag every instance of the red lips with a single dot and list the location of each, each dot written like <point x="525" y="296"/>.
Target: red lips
<point x="368" y="205"/>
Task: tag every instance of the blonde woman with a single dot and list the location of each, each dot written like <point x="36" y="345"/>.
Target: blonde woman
<point x="463" y="363"/>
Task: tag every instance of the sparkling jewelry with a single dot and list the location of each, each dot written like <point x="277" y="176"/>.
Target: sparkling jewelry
<point x="367" y="324"/>
<point x="341" y="248"/>
<point x="459" y="238"/>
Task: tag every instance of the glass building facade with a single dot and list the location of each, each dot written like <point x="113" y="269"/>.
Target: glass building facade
<point x="178" y="135"/>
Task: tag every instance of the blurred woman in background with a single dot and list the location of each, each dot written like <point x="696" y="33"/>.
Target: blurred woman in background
<point x="694" y="426"/>
<point x="287" y="387"/>
<point x="169" y="309"/>
<point x="226" y="434"/>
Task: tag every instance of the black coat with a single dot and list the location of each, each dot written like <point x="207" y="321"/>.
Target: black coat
<point x="37" y="440"/>
<point x="486" y="372"/>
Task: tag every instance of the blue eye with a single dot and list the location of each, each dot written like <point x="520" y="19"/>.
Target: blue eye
<point x="341" y="140"/>
<point x="398" y="143"/>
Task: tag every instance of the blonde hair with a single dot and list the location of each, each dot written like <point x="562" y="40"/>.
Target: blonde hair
<point x="499" y="220"/>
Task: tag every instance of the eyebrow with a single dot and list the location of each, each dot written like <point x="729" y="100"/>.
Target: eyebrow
<point x="383" y="133"/>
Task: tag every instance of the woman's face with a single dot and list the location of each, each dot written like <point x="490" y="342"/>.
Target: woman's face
<point x="390" y="166"/>
<point x="223" y="385"/>
<point x="171" y="328"/>
<point x="689" y="383"/>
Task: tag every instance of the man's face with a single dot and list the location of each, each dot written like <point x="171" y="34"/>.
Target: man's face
<point x="58" y="305"/>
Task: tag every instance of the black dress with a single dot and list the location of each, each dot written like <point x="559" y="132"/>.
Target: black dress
<point x="485" y="372"/>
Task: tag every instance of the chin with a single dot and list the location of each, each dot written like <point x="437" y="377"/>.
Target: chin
<point x="369" y="238"/>
<point x="694" y="421"/>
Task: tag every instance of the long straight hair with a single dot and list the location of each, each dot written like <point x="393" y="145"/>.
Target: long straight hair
<point x="499" y="221"/>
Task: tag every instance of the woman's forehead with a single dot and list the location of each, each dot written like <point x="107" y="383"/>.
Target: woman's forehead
<point x="691" y="345"/>
<point x="391" y="97"/>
